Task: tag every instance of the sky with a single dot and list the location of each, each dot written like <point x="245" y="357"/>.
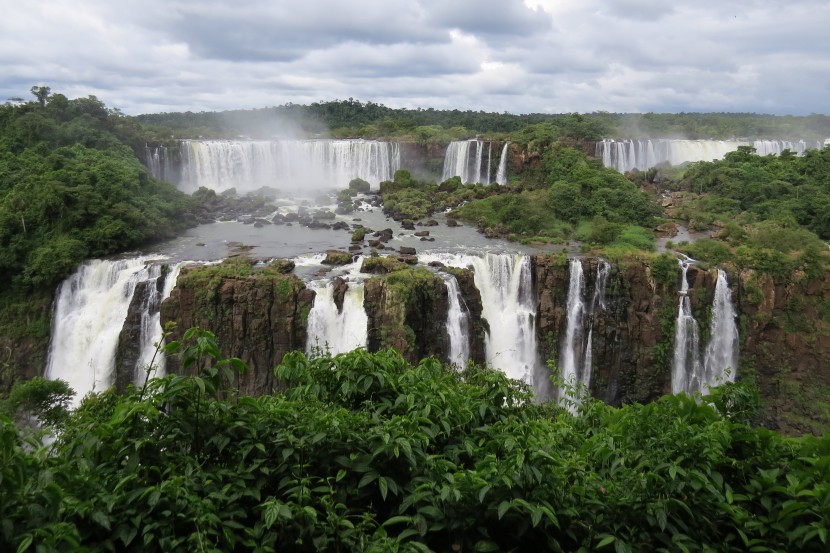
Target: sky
<point x="550" y="56"/>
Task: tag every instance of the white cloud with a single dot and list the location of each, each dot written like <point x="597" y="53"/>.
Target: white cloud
<point x="494" y="55"/>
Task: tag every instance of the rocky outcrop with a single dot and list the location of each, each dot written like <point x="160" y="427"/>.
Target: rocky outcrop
<point x="407" y="310"/>
<point x="785" y="347"/>
<point x="258" y="317"/>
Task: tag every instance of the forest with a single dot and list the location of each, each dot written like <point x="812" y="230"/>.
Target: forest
<point x="352" y="118"/>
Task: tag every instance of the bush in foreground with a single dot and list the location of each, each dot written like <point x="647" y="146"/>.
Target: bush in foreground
<point x="364" y="452"/>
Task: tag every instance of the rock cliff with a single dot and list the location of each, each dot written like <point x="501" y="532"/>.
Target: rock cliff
<point x="258" y="316"/>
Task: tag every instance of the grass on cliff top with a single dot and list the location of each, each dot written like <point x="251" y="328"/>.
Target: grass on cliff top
<point x="241" y="266"/>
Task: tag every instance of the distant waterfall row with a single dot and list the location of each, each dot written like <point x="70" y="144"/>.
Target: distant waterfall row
<point x="472" y="160"/>
<point x="288" y="165"/>
<point x="690" y="373"/>
<point x="642" y="154"/>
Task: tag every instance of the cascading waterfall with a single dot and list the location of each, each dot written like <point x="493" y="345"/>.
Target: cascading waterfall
<point x="501" y="174"/>
<point x="158" y="162"/>
<point x="293" y="165"/>
<point x="721" y="361"/>
<point x="458" y="324"/>
<point x="686" y="369"/>
<point x="90" y="308"/>
<point x="642" y="154"/>
<point x="597" y="303"/>
<point x="570" y="358"/>
<point x="464" y="159"/>
<point x="332" y="330"/>
<point x="151" y="331"/>
<point x="508" y="306"/>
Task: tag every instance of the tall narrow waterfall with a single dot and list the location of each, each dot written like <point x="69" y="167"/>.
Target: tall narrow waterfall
<point x="292" y="165"/>
<point x="458" y="324"/>
<point x="151" y="331"/>
<point x="501" y="174"/>
<point x="642" y="154"/>
<point x="686" y="369"/>
<point x="464" y="159"/>
<point x="508" y="306"/>
<point x="597" y="304"/>
<point x="333" y="330"/>
<point x="90" y="309"/>
<point x="570" y="358"/>
<point x="721" y="359"/>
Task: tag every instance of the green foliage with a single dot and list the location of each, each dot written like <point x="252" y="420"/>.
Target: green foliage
<point x="664" y="269"/>
<point x="359" y="185"/>
<point x="42" y="399"/>
<point x="71" y="187"/>
<point x="365" y="452"/>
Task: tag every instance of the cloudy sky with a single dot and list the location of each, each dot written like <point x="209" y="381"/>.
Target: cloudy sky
<point x="763" y="56"/>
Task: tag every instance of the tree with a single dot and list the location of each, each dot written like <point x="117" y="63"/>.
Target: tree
<point x="41" y="93"/>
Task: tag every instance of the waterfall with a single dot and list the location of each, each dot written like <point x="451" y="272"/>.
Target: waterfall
<point x="332" y="330"/>
<point x="458" y="324"/>
<point x="501" y="174"/>
<point x="722" y="351"/>
<point x="597" y="303"/>
<point x="90" y="308"/>
<point x="508" y="306"/>
<point x="291" y="165"/>
<point x="464" y="159"/>
<point x="151" y="330"/>
<point x="642" y="154"/>
<point x="571" y="355"/>
<point x="158" y="162"/>
<point x="686" y="369"/>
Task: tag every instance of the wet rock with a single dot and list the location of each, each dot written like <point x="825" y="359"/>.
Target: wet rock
<point x="406" y="250"/>
<point x="339" y="292"/>
<point x="337" y="257"/>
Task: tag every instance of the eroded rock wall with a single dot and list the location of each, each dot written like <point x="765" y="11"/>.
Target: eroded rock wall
<point x="258" y="318"/>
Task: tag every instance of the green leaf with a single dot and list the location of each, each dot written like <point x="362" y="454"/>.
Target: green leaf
<point x="101" y="519"/>
<point x="384" y="487"/>
<point x="536" y="517"/>
<point x="486" y="545"/>
<point x="397" y="520"/>
<point x="605" y="541"/>
<point x="503" y="507"/>
<point x="25" y="543"/>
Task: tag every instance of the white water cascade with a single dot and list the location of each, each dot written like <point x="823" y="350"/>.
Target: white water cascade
<point x="508" y="306"/>
<point x="642" y="154"/>
<point x="332" y="330"/>
<point x="299" y="166"/>
<point x="458" y="324"/>
<point x="501" y="174"/>
<point x="721" y="360"/>
<point x="464" y="158"/>
<point x="90" y="308"/>
<point x="570" y="358"/>
<point x="151" y="331"/>
<point x="686" y="369"/>
<point x="158" y="162"/>
<point x="597" y="303"/>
